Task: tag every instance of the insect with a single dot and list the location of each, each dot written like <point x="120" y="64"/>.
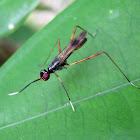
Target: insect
<point x="60" y="61"/>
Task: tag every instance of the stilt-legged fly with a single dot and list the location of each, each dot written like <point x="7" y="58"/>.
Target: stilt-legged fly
<point x="60" y="61"/>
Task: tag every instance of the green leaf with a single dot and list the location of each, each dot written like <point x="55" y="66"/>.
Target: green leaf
<point x="13" y="13"/>
<point x="107" y="106"/>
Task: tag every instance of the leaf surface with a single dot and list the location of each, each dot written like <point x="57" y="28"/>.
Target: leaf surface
<point x="107" y="107"/>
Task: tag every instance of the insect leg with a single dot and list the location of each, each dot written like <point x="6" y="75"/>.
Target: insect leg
<point x="59" y="47"/>
<point x="73" y="34"/>
<point x="65" y="91"/>
<point x="92" y="56"/>
<point x="72" y="37"/>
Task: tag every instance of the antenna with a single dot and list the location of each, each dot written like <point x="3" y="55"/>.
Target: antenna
<point x="24" y="87"/>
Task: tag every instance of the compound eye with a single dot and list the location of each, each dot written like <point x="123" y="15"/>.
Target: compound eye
<point x="46" y="76"/>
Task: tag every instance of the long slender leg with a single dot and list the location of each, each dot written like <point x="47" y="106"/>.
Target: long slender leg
<point x="92" y="56"/>
<point x="72" y="37"/>
<point x="65" y="91"/>
<point x="59" y="47"/>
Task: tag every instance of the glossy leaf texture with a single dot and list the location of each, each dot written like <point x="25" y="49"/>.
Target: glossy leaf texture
<point x="13" y="13"/>
<point x="107" y="106"/>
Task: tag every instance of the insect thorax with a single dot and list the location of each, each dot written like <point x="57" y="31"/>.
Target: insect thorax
<point x="55" y="65"/>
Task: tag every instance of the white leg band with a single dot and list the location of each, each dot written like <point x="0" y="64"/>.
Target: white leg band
<point x="72" y="106"/>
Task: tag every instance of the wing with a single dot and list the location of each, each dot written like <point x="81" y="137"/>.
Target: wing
<point x="74" y="44"/>
<point x="60" y="60"/>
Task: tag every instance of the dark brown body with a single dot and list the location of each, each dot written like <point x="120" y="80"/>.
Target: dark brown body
<point x="61" y="59"/>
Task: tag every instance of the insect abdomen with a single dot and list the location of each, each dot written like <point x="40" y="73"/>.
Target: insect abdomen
<point x="82" y="43"/>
